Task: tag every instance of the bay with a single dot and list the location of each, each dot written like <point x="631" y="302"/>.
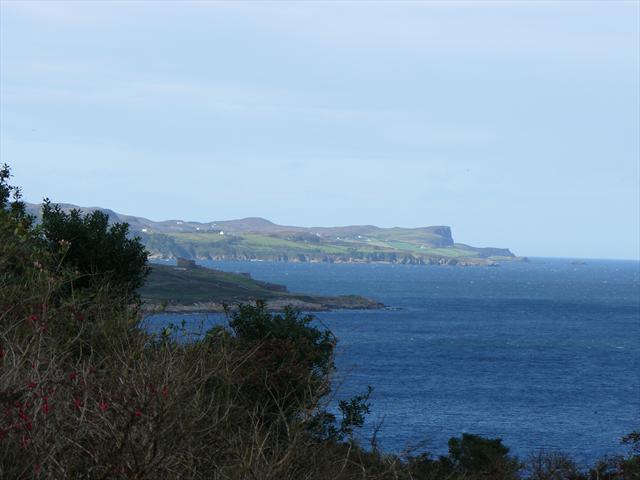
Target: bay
<point x="544" y="354"/>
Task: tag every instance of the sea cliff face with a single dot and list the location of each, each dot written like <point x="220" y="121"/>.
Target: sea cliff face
<point x="306" y="258"/>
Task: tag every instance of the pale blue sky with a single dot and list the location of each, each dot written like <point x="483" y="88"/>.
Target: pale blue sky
<point x="517" y="123"/>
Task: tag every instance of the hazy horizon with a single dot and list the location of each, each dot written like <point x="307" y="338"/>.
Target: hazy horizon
<point x="515" y="123"/>
<point x="454" y="235"/>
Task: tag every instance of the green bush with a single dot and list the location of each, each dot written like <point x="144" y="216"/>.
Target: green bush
<point x="99" y="252"/>
<point x="290" y="356"/>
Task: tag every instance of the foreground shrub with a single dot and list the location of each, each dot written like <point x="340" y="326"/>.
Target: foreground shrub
<point x="290" y="362"/>
<point x="477" y="454"/>
<point x="141" y="406"/>
<point x="97" y="251"/>
<point x="553" y="466"/>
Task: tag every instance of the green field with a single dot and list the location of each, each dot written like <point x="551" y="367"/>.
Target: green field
<point x="255" y="238"/>
<point x="393" y="247"/>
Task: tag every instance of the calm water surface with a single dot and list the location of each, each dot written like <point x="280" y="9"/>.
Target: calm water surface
<point x="544" y="354"/>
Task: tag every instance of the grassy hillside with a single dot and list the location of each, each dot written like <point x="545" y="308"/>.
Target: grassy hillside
<point x="260" y="239"/>
<point x="392" y="247"/>
<point x="204" y="289"/>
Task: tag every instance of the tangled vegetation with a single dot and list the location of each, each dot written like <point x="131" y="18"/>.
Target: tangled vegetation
<point x="87" y="392"/>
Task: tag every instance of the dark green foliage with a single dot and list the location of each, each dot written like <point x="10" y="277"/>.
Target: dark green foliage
<point x="325" y="427"/>
<point x="12" y="208"/>
<point x="98" y="251"/>
<point x="20" y="246"/>
<point x="424" y="467"/>
<point x="290" y="358"/>
<point x="630" y="466"/>
<point x="10" y="199"/>
<point x="470" y="457"/>
<point x="254" y="323"/>
<point x="6" y="190"/>
<point x="633" y="440"/>
<point x="354" y="412"/>
<point x="314" y="346"/>
<point x="474" y="453"/>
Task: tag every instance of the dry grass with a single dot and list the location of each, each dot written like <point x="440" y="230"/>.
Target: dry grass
<point x="86" y="393"/>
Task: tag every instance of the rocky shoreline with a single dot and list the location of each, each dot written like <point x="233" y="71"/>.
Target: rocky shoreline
<point x="321" y="304"/>
<point x="406" y="260"/>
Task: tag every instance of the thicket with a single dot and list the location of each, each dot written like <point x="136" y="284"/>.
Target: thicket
<point x="87" y="391"/>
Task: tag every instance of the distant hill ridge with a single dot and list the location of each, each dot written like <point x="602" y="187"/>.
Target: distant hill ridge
<point x="255" y="238"/>
<point x="441" y="234"/>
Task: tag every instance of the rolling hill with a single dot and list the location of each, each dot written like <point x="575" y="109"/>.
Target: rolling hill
<point x="256" y="238"/>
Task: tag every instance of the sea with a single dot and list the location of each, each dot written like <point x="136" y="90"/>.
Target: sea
<point x="543" y="354"/>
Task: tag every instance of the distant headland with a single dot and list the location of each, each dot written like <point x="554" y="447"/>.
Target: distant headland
<point x="258" y="239"/>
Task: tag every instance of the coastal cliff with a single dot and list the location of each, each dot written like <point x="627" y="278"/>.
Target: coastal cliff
<point x="258" y="239"/>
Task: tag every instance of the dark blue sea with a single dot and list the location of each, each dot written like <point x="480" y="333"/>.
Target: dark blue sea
<point x="545" y="354"/>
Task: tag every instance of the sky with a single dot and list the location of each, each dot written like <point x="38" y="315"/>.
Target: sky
<point x="516" y="123"/>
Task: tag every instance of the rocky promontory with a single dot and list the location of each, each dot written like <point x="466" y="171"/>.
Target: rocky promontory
<point x="187" y="287"/>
